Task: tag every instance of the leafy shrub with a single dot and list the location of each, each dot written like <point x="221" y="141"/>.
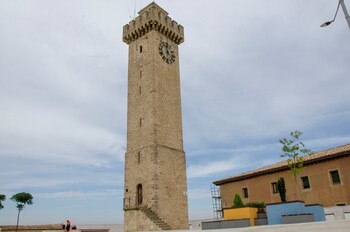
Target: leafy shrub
<point x="259" y="205"/>
<point x="255" y="204"/>
<point x="237" y="201"/>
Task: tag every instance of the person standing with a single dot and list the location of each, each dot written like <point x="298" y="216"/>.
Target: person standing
<point x="68" y="225"/>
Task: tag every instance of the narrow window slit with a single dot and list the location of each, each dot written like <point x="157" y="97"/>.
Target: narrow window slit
<point x="138" y="157"/>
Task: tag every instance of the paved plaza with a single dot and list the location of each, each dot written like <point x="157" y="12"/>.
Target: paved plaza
<point x="329" y="226"/>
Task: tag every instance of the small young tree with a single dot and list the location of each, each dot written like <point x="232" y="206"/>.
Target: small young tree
<point x="22" y="199"/>
<point x="291" y="149"/>
<point x="281" y="189"/>
<point x="237" y="201"/>
<point x="2" y="198"/>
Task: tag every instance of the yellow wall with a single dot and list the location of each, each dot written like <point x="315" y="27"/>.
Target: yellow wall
<point x="241" y="213"/>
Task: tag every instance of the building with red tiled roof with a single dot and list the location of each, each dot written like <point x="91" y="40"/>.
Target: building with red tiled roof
<point x="324" y="180"/>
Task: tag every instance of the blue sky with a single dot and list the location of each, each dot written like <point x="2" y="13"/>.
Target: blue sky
<point x="251" y="72"/>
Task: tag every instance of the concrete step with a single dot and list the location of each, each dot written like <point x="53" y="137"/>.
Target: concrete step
<point x="155" y="218"/>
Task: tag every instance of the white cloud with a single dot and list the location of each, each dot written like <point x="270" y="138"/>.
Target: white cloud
<point x="329" y="142"/>
<point x="213" y="167"/>
<point x="59" y="178"/>
<point x="251" y="149"/>
<point x="199" y="193"/>
<point x="81" y="195"/>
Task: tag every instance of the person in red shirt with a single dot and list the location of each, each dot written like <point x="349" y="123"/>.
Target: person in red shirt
<point x="68" y="225"/>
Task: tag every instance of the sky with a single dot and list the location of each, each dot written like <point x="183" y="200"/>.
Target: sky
<point x="251" y="72"/>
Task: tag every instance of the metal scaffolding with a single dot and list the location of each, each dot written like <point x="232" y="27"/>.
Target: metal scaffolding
<point x="216" y="198"/>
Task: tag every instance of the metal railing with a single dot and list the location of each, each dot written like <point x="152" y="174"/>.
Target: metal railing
<point x="131" y="203"/>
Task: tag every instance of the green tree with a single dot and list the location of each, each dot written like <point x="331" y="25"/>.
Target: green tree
<point x="2" y="198"/>
<point x="237" y="201"/>
<point x="292" y="149"/>
<point x="281" y="186"/>
<point x="22" y="199"/>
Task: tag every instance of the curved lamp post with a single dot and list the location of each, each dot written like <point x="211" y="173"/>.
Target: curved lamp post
<point x="347" y="17"/>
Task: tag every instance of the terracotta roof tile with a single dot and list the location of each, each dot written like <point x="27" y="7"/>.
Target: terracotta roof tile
<point x="283" y="165"/>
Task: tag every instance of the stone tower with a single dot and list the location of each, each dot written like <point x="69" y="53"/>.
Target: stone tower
<point x="155" y="194"/>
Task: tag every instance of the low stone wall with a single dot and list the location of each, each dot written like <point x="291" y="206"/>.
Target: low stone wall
<point x="261" y="221"/>
<point x="226" y="224"/>
<point x="110" y="227"/>
<point x="337" y="212"/>
<point x="297" y="218"/>
<point x="32" y="228"/>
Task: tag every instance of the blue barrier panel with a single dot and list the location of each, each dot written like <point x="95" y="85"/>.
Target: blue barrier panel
<point x="276" y="210"/>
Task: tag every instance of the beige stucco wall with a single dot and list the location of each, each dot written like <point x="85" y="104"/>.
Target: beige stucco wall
<point x="322" y="190"/>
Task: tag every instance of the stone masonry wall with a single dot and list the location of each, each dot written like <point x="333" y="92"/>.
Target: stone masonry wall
<point x="154" y="158"/>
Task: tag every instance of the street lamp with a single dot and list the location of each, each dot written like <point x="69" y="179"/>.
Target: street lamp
<point x="347" y="17"/>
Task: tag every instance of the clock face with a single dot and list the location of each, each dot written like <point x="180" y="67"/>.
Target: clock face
<point x="166" y="52"/>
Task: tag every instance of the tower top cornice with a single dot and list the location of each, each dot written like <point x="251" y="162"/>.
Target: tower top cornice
<point x="153" y="17"/>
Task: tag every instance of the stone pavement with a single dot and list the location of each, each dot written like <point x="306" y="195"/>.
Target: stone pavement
<point x="329" y="226"/>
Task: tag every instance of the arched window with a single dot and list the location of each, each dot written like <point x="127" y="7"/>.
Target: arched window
<point x="139" y="194"/>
